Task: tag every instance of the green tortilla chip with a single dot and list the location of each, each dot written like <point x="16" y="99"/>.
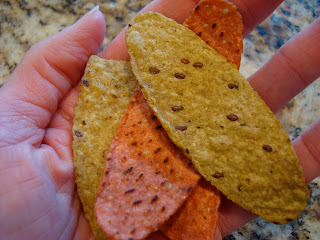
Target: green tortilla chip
<point x="211" y="112"/>
<point x="106" y="90"/>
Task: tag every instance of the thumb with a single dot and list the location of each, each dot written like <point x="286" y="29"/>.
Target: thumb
<point x="44" y="75"/>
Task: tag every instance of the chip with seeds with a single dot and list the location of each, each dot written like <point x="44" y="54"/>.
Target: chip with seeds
<point x="106" y="90"/>
<point x="146" y="178"/>
<point x="198" y="217"/>
<point x="219" y="24"/>
<point x="232" y="137"/>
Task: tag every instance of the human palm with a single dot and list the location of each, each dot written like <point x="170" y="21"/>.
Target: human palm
<point x="38" y="196"/>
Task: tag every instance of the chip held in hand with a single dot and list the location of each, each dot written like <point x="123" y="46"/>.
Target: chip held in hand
<point x="232" y="137"/>
<point x="146" y="178"/>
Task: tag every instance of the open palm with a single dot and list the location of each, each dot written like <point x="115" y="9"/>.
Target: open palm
<point x="38" y="196"/>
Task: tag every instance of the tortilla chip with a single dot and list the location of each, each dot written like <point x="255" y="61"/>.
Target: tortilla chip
<point x="106" y="90"/>
<point x="232" y="137"/>
<point x="146" y="177"/>
<point x="198" y="217"/>
<point x="219" y="24"/>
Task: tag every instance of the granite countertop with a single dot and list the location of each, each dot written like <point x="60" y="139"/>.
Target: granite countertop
<point x="24" y="23"/>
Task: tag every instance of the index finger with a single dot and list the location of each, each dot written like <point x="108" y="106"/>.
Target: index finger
<point x="252" y="12"/>
<point x="177" y="10"/>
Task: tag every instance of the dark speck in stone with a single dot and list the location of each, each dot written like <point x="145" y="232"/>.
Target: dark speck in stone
<point x="300" y="221"/>
<point x="297" y="132"/>
<point x="276" y="18"/>
<point x="290" y="105"/>
<point x="261" y="30"/>
<point x="119" y="18"/>
<point x="297" y="28"/>
<point x="254" y="236"/>
<point x="29" y="12"/>
<point x="131" y="7"/>
<point x="285" y="12"/>
<point x="294" y="236"/>
<point x="279" y="42"/>
<point x="276" y="29"/>
<point x="229" y="237"/>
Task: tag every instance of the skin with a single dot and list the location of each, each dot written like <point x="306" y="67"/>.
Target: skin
<point x="38" y="197"/>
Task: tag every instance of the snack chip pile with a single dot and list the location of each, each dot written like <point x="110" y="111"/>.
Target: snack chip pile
<point x="154" y="151"/>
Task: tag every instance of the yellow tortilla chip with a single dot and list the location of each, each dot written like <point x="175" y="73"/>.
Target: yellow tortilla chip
<point x="232" y="137"/>
<point x="106" y="90"/>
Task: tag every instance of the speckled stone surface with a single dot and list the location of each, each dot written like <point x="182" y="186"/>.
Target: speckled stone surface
<point x="24" y="23"/>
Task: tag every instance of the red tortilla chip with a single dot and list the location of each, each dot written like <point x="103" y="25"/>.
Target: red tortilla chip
<point x="146" y="177"/>
<point x="198" y="217"/>
<point x="219" y="24"/>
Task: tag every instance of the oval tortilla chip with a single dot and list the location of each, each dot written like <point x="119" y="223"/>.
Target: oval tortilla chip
<point x="106" y="89"/>
<point x="232" y="137"/>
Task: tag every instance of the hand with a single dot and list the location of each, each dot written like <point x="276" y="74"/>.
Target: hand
<point x="38" y="198"/>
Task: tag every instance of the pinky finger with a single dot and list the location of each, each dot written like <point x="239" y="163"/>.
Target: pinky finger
<point x="307" y="148"/>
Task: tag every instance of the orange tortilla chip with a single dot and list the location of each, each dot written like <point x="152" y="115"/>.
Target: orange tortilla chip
<point x="219" y="24"/>
<point x="198" y="217"/>
<point x="146" y="177"/>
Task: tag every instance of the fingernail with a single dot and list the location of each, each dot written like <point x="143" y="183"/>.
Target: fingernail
<point x="93" y="10"/>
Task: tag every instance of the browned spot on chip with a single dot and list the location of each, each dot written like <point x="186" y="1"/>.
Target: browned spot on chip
<point x="162" y="183"/>
<point x="218" y="175"/>
<point x="155" y="198"/>
<point x="181" y="128"/>
<point x="185" y="61"/>
<point x="198" y="65"/>
<point x="177" y="108"/>
<point x="78" y="134"/>
<point x="267" y="148"/>
<point x="225" y="34"/>
<point x="232" y="86"/>
<point x="159" y="127"/>
<point x="86" y="83"/>
<point x="154" y="70"/>
<point x="129" y="191"/>
<point x="232" y="117"/>
<point x="180" y="75"/>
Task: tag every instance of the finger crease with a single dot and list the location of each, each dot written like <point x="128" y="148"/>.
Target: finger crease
<point x="292" y="68"/>
<point x="46" y="79"/>
<point x="59" y="71"/>
<point x="314" y="157"/>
